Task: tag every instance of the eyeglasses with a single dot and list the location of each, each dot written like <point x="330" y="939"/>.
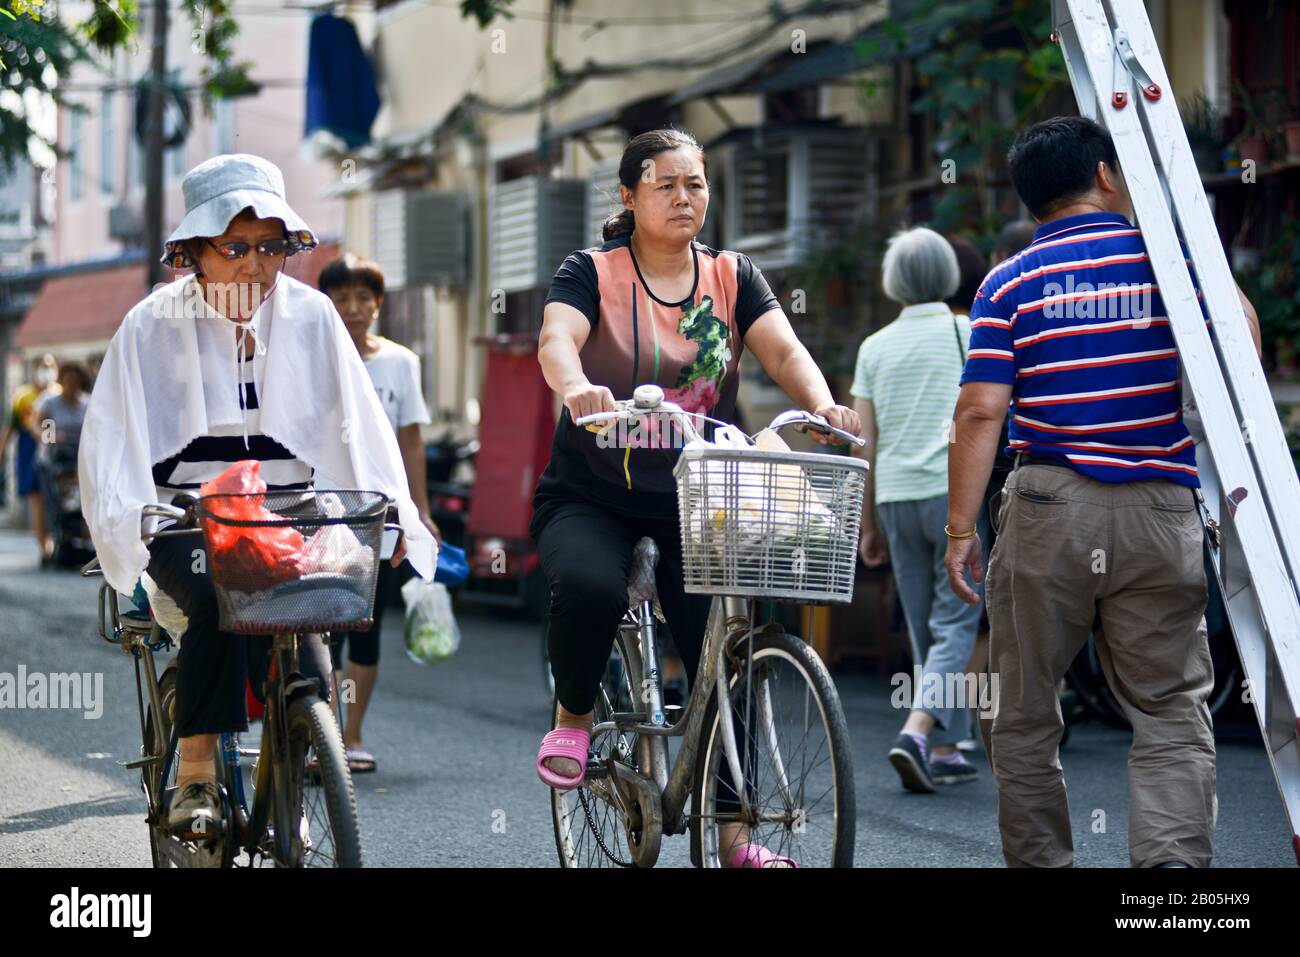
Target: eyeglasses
<point x="274" y="248"/>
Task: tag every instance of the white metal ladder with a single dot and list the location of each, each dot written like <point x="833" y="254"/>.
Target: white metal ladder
<point x="1251" y="493"/>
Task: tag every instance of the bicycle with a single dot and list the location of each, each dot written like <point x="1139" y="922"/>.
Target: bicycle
<point x="777" y="526"/>
<point x="292" y="818"/>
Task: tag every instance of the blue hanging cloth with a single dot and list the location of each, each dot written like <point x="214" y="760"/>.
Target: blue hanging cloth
<point x="341" y="93"/>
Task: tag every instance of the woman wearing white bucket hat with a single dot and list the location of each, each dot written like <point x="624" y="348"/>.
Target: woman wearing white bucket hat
<point x="234" y="362"/>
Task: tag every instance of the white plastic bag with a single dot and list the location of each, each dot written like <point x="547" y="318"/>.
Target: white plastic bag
<point x="772" y="502"/>
<point x="431" y="631"/>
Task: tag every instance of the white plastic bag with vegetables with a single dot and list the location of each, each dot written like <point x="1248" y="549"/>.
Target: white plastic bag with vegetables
<point x="431" y="631"/>
<point x="771" y="502"/>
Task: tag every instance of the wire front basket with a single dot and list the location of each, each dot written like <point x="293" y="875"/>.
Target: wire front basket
<point x="773" y="525"/>
<point x="294" y="562"/>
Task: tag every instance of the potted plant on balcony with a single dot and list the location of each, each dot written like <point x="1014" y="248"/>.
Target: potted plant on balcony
<point x="1204" y="124"/>
<point x="1262" y="121"/>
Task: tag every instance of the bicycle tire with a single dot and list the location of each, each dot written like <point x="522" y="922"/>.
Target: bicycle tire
<point x="311" y="731"/>
<point x="773" y="643"/>
<point x="591" y="834"/>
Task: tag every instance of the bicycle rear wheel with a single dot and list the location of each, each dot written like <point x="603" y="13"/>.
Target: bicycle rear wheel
<point x="590" y="831"/>
<point x="793" y="744"/>
<point x="315" y="824"/>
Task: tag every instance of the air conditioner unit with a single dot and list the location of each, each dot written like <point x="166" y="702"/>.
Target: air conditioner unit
<point x="795" y="193"/>
<point x="421" y="238"/>
<point x="534" y="223"/>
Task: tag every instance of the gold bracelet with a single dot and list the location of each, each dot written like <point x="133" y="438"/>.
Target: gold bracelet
<point x="971" y="534"/>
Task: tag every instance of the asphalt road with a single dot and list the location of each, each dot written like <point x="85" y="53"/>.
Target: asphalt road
<point x="456" y="745"/>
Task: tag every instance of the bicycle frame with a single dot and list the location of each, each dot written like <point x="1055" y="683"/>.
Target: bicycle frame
<point x="655" y="793"/>
<point x="248" y="827"/>
<point x="728" y="623"/>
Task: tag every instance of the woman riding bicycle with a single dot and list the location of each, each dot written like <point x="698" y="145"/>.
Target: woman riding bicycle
<point x="236" y="361"/>
<point x="651" y="305"/>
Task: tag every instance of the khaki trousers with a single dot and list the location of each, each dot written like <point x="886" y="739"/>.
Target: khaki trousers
<point x="1124" y="562"/>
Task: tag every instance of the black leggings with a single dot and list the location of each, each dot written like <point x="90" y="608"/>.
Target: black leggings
<point x="363" y="646"/>
<point x="214" y="666"/>
<point x="586" y="553"/>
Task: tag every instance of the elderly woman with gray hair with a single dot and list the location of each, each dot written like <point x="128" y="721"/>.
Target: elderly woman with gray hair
<point x="905" y="389"/>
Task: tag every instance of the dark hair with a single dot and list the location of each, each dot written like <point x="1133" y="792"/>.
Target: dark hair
<point x="77" y="369"/>
<point x="1055" y="161"/>
<point x="972" y="267"/>
<point x="349" y="270"/>
<point x="1012" y="238"/>
<point x="641" y="148"/>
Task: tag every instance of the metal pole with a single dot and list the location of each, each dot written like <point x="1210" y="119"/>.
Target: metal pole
<point x="153" y="145"/>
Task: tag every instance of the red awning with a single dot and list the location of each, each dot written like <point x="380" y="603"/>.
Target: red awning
<point x="89" y="306"/>
<point x="84" y="307"/>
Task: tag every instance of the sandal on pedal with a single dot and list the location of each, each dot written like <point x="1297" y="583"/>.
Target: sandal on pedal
<point x="359" y="761"/>
<point x="756" y="855"/>
<point x="564" y="743"/>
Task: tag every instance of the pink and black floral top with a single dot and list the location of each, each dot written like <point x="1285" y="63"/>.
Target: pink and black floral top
<point x="690" y="348"/>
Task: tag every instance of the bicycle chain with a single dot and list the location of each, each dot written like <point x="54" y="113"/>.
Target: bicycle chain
<point x="591" y="823"/>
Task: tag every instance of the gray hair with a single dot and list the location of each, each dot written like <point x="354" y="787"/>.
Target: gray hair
<point x="920" y="266"/>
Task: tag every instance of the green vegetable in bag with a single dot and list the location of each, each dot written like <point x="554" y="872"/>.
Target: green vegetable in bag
<point x="431" y="631"/>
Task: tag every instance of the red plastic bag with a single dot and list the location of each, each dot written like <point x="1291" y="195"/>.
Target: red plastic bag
<point x="249" y="559"/>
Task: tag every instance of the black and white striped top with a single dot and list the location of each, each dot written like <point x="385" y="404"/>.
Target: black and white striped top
<point x="209" y="455"/>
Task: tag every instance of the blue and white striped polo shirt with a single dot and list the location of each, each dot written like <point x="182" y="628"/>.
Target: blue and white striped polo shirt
<point x="1076" y="325"/>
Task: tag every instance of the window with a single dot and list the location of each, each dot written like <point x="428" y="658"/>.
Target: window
<point x="763" y="182"/>
<point x="107" y="142"/>
<point x="76" y="169"/>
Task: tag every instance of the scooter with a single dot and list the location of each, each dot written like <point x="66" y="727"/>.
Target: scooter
<point x="449" y="468"/>
<point x="72" y="544"/>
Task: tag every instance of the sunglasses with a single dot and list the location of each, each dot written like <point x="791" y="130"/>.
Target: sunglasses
<point x="274" y="248"/>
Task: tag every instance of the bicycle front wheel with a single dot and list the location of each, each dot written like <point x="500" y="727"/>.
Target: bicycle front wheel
<point x="793" y="748"/>
<point x="315" y="812"/>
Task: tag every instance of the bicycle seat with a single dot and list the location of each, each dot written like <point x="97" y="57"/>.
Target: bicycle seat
<point x="641" y="581"/>
<point x="134" y="620"/>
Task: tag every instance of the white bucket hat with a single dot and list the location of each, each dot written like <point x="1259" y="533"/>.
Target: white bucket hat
<point x="218" y="189"/>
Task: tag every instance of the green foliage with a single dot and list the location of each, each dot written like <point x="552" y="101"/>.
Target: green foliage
<point x="485" y="11"/>
<point x="1203" y="122"/>
<point x="978" y="49"/>
<point x="1275" y="289"/>
<point x="214" y="32"/>
<point x="35" y="48"/>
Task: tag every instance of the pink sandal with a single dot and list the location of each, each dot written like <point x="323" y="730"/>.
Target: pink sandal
<point x="564" y="743"/>
<point x="756" y="855"/>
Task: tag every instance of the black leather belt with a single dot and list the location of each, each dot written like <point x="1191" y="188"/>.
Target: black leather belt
<point x="1023" y="459"/>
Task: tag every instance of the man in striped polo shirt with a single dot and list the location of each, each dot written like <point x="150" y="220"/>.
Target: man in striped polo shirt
<point x="1098" y="529"/>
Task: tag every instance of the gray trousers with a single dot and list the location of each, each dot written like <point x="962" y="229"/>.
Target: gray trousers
<point x="942" y="628"/>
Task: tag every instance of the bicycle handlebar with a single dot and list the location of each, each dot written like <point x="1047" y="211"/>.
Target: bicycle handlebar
<point x="648" y="399"/>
